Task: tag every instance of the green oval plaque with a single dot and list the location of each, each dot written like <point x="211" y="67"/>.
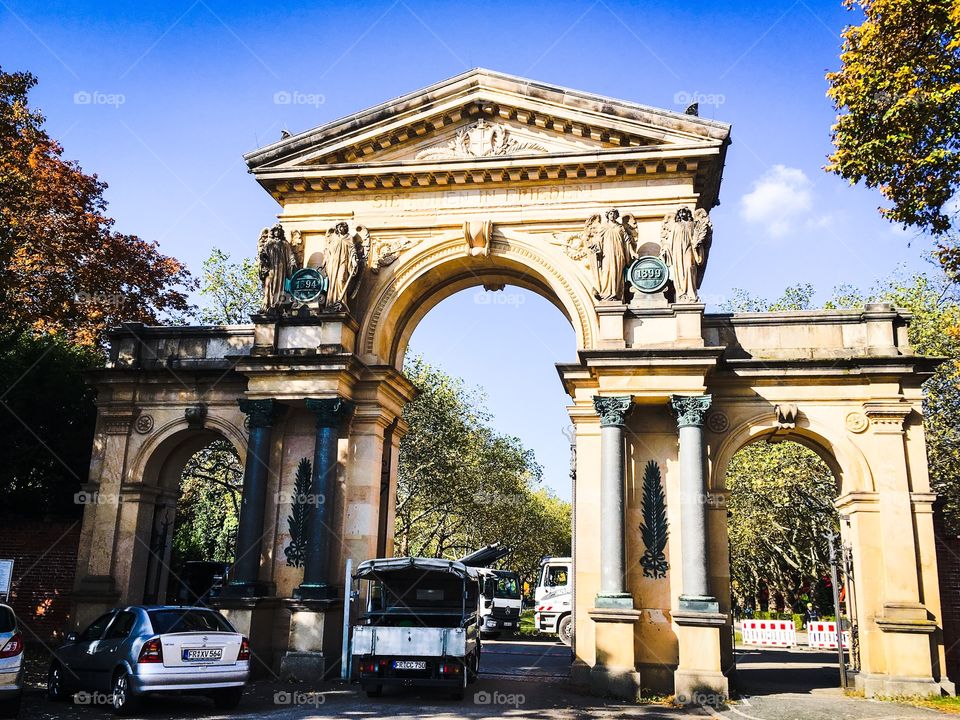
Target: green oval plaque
<point x="648" y="274"/>
<point x="307" y="284"/>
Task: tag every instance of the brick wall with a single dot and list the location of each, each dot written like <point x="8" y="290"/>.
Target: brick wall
<point x="45" y="561"/>
<point x="948" y="562"/>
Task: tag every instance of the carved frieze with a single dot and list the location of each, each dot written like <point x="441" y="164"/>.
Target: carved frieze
<point x="481" y="139"/>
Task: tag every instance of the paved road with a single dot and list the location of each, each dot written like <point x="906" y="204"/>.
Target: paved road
<point x="525" y="681"/>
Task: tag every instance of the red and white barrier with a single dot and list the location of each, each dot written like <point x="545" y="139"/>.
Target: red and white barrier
<point x="769" y="633"/>
<point x="824" y="635"/>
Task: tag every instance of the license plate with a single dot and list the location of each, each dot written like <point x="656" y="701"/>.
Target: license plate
<point x="200" y="654"/>
<point x="409" y="664"/>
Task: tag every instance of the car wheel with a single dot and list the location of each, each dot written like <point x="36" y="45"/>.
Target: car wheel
<point x="228" y="698"/>
<point x="56" y="686"/>
<point x="10" y="708"/>
<point x="374" y="691"/>
<point x="122" y="700"/>
<point x="565" y="631"/>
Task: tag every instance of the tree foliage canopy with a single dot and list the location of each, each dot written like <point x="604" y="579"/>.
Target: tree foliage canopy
<point x="63" y="269"/>
<point x="461" y="486"/>
<point x="230" y="291"/>
<point x="898" y="96"/>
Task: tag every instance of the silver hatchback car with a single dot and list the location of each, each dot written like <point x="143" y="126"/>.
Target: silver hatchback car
<point x="141" y="649"/>
<point x="11" y="663"/>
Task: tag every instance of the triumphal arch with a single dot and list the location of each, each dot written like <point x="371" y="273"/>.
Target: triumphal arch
<point x="602" y="207"/>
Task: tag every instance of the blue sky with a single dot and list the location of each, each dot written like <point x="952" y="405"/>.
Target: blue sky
<point x="161" y="102"/>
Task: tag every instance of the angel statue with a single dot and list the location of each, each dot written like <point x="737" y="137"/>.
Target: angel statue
<point x="611" y="240"/>
<point x="277" y="262"/>
<point x="345" y="254"/>
<point x="685" y="241"/>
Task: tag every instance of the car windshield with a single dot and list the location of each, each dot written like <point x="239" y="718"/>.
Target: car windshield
<point x="8" y="622"/>
<point x="178" y="621"/>
<point x="508" y="587"/>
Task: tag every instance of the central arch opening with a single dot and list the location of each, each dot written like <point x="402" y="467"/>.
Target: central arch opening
<point x="784" y="536"/>
<point x="487" y="457"/>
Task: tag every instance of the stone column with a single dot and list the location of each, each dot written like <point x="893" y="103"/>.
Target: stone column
<point x="699" y="676"/>
<point x="614" y="617"/>
<point x="613" y="413"/>
<point x="691" y="412"/>
<point x="330" y="413"/>
<point x="245" y="581"/>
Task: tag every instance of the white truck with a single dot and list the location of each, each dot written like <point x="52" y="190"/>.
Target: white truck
<point x="500" y="602"/>
<point x="419" y="627"/>
<point x="553" y="612"/>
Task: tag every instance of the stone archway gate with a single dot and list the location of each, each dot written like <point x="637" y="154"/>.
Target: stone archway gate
<point x="487" y="179"/>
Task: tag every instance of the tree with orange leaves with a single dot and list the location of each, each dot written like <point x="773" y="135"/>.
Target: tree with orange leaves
<point x="63" y="269"/>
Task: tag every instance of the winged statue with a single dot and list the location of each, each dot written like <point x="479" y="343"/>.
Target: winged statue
<point x="685" y="239"/>
<point x="613" y="241"/>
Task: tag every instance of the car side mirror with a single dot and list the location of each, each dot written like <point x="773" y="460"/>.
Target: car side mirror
<point x="72" y="637"/>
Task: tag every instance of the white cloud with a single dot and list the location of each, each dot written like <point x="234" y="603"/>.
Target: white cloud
<point x="779" y="201"/>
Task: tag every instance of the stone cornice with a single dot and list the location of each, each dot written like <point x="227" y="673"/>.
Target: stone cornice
<point x="450" y="174"/>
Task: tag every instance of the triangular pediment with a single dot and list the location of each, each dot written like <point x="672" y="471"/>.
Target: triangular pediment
<point x="486" y="114"/>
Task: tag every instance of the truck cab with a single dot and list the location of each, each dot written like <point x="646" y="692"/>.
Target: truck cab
<point x="500" y="602"/>
<point x="553" y="612"/>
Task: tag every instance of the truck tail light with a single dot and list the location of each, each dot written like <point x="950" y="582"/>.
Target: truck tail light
<point x="13" y="646"/>
<point x="450" y="669"/>
<point x="151" y="652"/>
<point x="244" y="653"/>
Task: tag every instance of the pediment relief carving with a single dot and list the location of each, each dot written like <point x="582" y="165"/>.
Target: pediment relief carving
<point x="480" y="139"/>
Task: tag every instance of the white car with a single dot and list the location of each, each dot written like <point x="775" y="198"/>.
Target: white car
<point x="11" y="663"/>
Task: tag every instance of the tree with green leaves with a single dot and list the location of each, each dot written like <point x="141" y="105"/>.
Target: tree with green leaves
<point x="208" y="509"/>
<point x="461" y="485"/>
<point x="230" y="291"/>
<point x="897" y="94"/>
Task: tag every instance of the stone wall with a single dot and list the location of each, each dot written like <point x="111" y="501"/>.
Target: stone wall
<point x="948" y="563"/>
<point x="45" y="562"/>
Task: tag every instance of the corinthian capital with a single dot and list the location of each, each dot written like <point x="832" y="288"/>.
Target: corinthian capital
<point x="690" y="409"/>
<point x="329" y="411"/>
<point x="613" y="411"/>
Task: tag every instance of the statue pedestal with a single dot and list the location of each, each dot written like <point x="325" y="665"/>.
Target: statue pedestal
<point x="313" y="645"/>
<point x="615" y="672"/>
<point x="309" y="332"/>
<point x="699" y="678"/>
<point x="253" y="617"/>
